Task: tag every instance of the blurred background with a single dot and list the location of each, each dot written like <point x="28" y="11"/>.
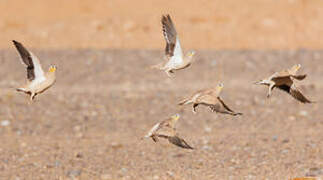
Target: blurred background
<point x="202" y="24"/>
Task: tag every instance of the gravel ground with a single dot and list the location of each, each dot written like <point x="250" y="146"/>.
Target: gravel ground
<point x="89" y="125"/>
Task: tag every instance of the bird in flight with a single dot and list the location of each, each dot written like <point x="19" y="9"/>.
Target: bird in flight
<point x="38" y="80"/>
<point x="211" y="98"/>
<point x="284" y="80"/>
<point x="166" y="129"/>
<point x="175" y="60"/>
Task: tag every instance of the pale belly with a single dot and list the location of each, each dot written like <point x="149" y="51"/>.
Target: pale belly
<point x="177" y="64"/>
<point x="38" y="87"/>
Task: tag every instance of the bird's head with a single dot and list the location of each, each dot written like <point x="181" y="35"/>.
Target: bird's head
<point x="295" y="68"/>
<point x="219" y="88"/>
<point x="190" y="54"/>
<point x="175" y="117"/>
<point x="52" y="68"/>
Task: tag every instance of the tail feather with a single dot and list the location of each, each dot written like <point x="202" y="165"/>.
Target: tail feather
<point x="237" y="113"/>
<point x="20" y="90"/>
<point x="157" y="66"/>
<point x="184" y="102"/>
<point x="299" y="77"/>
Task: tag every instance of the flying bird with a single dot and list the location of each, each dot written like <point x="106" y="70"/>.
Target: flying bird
<point x="211" y="98"/>
<point x="38" y="80"/>
<point x="175" y="60"/>
<point x="166" y="129"/>
<point x="284" y="80"/>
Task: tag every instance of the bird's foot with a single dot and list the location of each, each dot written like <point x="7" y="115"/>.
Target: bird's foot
<point x="168" y="74"/>
<point x="212" y="109"/>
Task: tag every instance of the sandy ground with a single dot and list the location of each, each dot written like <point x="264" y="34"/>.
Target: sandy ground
<point x="89" y="125"/>
<point x="229" y="24"/>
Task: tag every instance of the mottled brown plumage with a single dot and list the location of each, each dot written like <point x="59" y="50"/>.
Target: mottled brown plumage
<point x="284" y="80"/>
<point x="211" y="98"/>
<point x="166" y="129"/>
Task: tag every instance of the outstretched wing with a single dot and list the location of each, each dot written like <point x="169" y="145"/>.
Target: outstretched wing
<point x="179" y="142"/>
<point x="292" y="90"/>
<point x="297" y="94"/>
<point x="224" y="105"/>
<point x="299" y="77"/>
<point x="173" y="47"/>
<point x="34" y="70"/>
<point x="176" y="141"/>
<point x="153" y="130"/>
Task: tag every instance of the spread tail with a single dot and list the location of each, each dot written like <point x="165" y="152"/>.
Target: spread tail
<point x="184" y="102"/>
<point x="236" y="114"/>
<point x="157" y="66"/>
<point x="20" y="89"/>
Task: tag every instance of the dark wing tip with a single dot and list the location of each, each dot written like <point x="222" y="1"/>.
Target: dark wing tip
<point x="20" y="47"/>
<point x="306" y="101"/>
<point x="166" y="18"/>
<point x="300" y="77"/>
<point x="240" y="114"/>
<point x="188" y="146"/>
<point x="298" y="95"/>
<point x="16" y="43"/>
<point x="179" y="142"/>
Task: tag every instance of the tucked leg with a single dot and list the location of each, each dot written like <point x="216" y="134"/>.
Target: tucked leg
<point x="194" y="108"/>
<point x="32" y="96"/>
<point x="270" y="88"/>
<point x="212" y="108"/>
<point x="168" y="72"/>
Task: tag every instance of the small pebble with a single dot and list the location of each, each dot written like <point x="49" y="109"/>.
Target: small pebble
<point x="291" y="118"/>
<point x="77" y="128"/>
<point x="206" y="147"/>
<point x="314" y="172"/>
<point x="285" y="151"/>
<point x="170" y="173"/>
<point x="285" y="141"/>
<point x="213" y="63"/>
<point x="57" y="163"/>
<point x="5" y="123"/>
<point x="78" y="155"/>
<point x="74" y="173"/>
<point x="208" y="129"/>
<point x="106" y="176"/>
<point x="303" y="113"/>
<point x="124" y="170"/>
